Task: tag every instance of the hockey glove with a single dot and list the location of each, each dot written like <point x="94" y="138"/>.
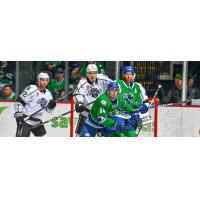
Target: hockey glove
<point x="143" y="108"/>
<point x="51" y="105"/>
<point x="135" y="119"/>
<point x="79" y="107"/>
<point x="19" y="117"/>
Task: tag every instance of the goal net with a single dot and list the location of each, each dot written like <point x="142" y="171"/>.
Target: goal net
<point x="150" y="129"/>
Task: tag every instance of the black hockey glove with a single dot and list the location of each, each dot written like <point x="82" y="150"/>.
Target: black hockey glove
<point x="79" y="107"/>
<point x="51" y="105"/>
<point x="19" y="117"/>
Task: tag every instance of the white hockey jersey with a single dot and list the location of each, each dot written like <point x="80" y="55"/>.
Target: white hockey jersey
<point x="87" y="92"/>
<point x="34" y="100"/>
<point x="146" y="118"/>
<point x="143" y="94"/>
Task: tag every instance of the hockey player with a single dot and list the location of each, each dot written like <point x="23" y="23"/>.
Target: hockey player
<point x="88" y="90"/>
<point x="104" y="110"/>
<point x="134" y="92"/>
<point x="32" y="103"/>
<point x="97" y="63"/>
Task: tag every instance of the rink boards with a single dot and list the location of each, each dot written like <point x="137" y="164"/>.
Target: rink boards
<point x="172" y="121"/>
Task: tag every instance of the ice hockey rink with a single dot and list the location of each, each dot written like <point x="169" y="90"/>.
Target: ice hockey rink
<point x="173" y="121"/>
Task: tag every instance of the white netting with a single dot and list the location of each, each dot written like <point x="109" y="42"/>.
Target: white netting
<point x="149" y="129"/>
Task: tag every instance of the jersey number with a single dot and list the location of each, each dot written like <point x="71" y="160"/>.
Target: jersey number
<point x="102" y="110"/>
<point x="24" y="93"/>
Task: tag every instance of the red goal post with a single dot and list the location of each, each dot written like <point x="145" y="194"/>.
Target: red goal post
<point x="155" y="115"/>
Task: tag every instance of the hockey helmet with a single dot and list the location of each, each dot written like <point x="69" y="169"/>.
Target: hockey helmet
<point x="42" y="75"/>
<point x="129" y="69"/>
<point x="113" y="85"/>
<point x="91" y="68"/>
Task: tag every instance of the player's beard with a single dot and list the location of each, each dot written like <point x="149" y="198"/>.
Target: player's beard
<point x="129" y="80"/>
<point x="42" y="86"/>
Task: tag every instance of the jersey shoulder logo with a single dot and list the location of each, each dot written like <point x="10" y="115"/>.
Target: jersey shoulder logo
<point x="103" y="102"/>
<point x="28" y="87"/>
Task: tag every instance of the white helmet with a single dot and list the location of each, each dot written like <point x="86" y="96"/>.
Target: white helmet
<point x="42" y="75"/>
<point x="91" y="68"/>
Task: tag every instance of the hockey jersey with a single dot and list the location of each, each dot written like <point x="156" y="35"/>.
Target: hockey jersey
<point x="103" y="110"/>
<point x="33" y="100"/>
<point x="132" y="93"/>
<point x="88" y="92"/>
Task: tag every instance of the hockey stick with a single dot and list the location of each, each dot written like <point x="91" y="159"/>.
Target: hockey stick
<point x="19" y="131"/>
<point x="156" y="93"/>
<point x="57" y="117"/>
<point x="166" y="105"/>
<point x="56" y="100"/>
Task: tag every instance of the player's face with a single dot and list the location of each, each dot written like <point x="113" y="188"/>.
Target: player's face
<point x="128" y="77"/>
<point x="92" y="76"/>
<point x="43" y="82"/>
<point x="113" y="93"/>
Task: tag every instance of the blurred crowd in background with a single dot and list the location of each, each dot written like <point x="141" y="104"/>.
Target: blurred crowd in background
<point x="64" y="77"/>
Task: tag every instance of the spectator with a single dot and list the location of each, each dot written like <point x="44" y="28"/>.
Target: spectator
<point x="174" y="94"/>
<point x="5" y="77"/>
<point x="53" y="65"/>
<point x="75" y="73"/>
<point x="192" y="91"/>
<point x="98" y="64"/>
<point x="9" y="67"/>
<point x="57" y="85"/>
<point x="8" y="93"/>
